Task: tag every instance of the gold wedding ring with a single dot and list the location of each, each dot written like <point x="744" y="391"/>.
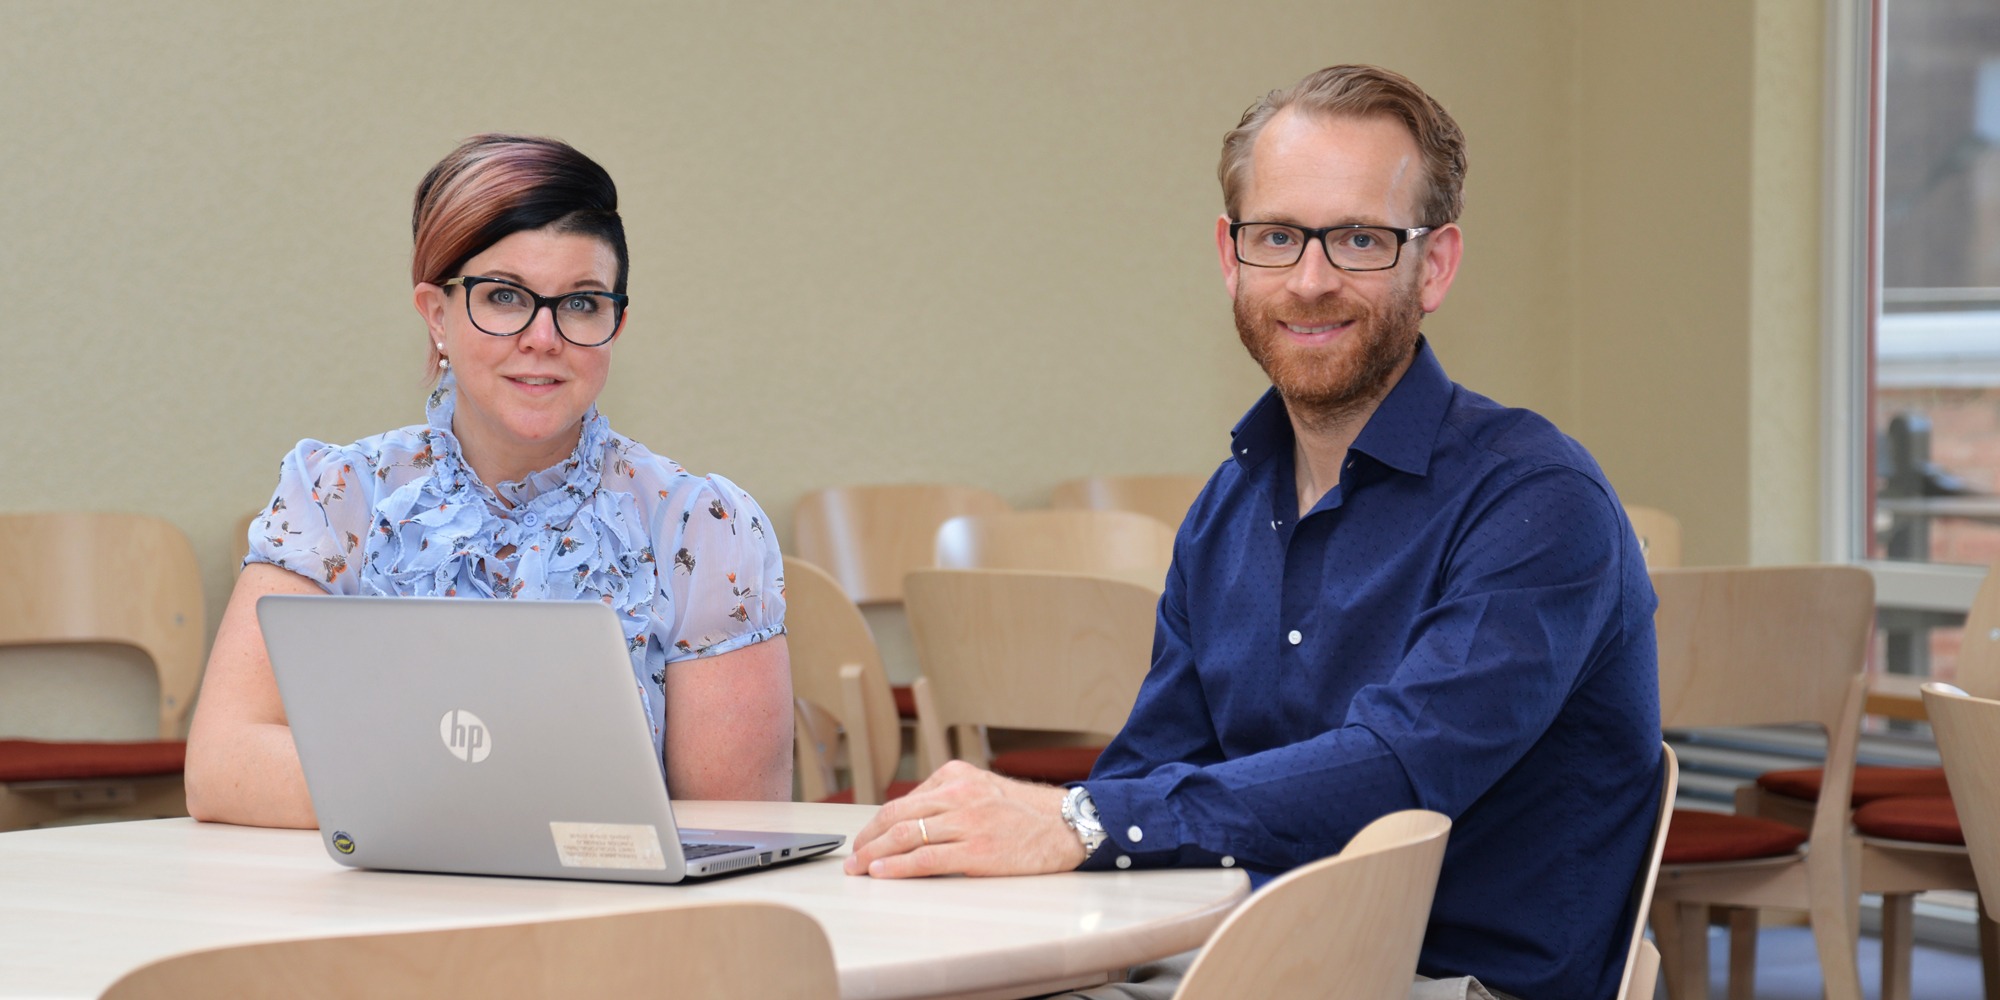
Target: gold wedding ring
<point x="924" y="831"/>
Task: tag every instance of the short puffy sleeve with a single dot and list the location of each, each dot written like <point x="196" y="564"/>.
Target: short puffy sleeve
<point x="316" y="520"/>
<point x="725" y="578"/>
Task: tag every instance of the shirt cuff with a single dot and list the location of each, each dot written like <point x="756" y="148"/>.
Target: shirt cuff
<point x="1141" y="831"/>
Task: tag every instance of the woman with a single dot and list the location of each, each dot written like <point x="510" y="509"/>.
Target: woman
<point x="516" y="487"/>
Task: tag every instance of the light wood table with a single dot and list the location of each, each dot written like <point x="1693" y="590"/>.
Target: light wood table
<point x="81" y="906"/>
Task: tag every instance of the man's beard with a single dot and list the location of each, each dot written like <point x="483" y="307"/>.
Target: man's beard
<point x="1324" y="387"/>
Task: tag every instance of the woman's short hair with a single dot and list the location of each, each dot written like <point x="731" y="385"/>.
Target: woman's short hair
<point x="495" y="185"/>
<point x="1359" y="92"/>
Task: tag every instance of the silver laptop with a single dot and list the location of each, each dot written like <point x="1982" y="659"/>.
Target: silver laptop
<point x="487" y="738"/>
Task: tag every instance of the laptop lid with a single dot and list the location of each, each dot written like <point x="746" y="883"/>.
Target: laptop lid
<point x="484" y="737"/>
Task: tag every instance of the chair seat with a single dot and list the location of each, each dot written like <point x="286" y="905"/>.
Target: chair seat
<point x="48" y="760"/>
<point x="906" y="700"/>
<point x="1054" y="765"/>
<point x="1928" y="818"/>
<point x="897" y="789"/>
<point x="1696" y="837"/>
<point x="1870" y="783"/>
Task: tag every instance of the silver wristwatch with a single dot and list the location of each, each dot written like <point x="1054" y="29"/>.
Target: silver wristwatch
<point x="1080" y="812"/>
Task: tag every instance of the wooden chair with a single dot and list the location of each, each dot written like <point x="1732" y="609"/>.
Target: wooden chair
<point x="845" y="709"/>
<point x="710" y="952"/>
<point x="1761" y="646"/>
<point x="1893" y="807"/>
<point x="127" y="579"/>
<point x="1116" y="543"/>
<point x="867" y="537"/>
<point x="1659" y="535"/>
<point x="1165" y="497"/>
<point x="1025" y="650"/>
<point x="1642" y="957"/>
<point x="1348" y="927"/>
<point x="1968" y="737"/>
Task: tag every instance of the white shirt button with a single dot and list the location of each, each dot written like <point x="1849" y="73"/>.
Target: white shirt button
<point x="1228" y="861"/>
<point x="1134" y="834"/>
<point x="1294" y="637"/>
<point x="531" y="519"/>
<point x="1123" y="861"/>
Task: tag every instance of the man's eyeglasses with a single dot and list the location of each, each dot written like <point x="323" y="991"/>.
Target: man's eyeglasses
<point x="1350" y="248"/>
<point x="502" y="308"/>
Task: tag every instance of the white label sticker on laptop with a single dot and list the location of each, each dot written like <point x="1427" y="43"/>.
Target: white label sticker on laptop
<point x="608" y="845"/>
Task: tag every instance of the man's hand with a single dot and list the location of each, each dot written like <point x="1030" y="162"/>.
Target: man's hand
<point x="977" y="823"/>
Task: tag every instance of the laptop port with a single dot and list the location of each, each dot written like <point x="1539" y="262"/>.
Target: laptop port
<point x="765" y="858"/>
<point x="786" y="853"/>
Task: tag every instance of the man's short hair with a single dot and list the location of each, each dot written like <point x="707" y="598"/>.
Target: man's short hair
<point x="1359" y="92"/>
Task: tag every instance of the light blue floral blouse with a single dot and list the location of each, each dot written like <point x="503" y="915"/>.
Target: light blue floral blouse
<point x="689" y="563"/>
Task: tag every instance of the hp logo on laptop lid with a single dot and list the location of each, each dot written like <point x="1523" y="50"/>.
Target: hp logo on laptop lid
<point x="465" y="736"/>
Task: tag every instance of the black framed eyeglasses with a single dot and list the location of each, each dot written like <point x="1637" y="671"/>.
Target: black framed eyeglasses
<point x="1350" y="248"/>
<point x="503" y="308"/>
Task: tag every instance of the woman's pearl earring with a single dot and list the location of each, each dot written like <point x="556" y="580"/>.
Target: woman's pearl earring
<point x="443" y="362"/>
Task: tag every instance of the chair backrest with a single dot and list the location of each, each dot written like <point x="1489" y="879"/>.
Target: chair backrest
<point x="713" y="951"/>
<point x="837" y="670"/>
<point x="1659" y="535"/>
<point x="1116" y="543"/>
<point x="869" y="536"/>
<point x="1747" y="646"/>
<point x="1968" y="738"/>
<point x="1642" y="959"/>
<point x="1026" y="650"/>
<point x="113" y="578"/>
<point x="1979" y="647"/>
<point x="1166" y="497"/>
<point x="1348" y="926"/>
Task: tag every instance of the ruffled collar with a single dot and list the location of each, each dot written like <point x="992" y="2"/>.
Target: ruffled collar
<point x="552" y="494"/>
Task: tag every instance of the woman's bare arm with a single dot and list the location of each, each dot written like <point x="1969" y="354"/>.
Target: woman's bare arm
<point x="242" y="766"/>
<point x="729" y="725"/>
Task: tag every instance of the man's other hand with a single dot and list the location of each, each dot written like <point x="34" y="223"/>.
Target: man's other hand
<point x="977" y="823"/>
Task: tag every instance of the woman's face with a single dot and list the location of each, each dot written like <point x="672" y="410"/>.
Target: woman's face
<point x="521" y="399"/>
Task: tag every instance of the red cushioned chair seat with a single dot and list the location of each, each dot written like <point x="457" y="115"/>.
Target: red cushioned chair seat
<point x="1705" y="836"/>
<point x="1054" y="765"/>
<point x="1870" y="783"/>
<point x="906" y="701"/>
<point x="1929" y="818"/>
<point x="41" y="760"/>
<point x="897" y="789"/>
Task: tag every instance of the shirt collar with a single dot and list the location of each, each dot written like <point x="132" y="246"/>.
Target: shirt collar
<point x="1399" y="434"/>
<point x="564" y="484"/>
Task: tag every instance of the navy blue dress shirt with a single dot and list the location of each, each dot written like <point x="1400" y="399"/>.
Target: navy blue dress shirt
<point x="1463" y="624"/>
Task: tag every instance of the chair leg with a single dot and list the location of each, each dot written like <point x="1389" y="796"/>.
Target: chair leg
<point x="1989" y="953"/>
<point x="1667" y="938"/>
<point x="1742" y="952"/>
<point x="1681" y="931"/>
<point x="1898" y="940"/>
<point x="1835" y="928"/>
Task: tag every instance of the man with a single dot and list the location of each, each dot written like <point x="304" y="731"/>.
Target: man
<point x="1394" y="594"/>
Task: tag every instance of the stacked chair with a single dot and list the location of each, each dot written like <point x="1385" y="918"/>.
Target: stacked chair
<point x="124" y="579"/>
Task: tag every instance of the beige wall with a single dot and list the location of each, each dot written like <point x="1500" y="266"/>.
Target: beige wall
<point x="988" y="256"/>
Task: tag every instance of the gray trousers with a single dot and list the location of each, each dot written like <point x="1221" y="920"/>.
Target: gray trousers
<point x="1158" y="981"/>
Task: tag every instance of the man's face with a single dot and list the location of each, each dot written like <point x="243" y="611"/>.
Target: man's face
<point x="1332" y="341"/>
